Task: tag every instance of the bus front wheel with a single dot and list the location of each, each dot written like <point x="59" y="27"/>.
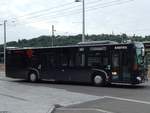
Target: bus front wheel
<point x="33" y="77"/>
<point x="98" y="80"/>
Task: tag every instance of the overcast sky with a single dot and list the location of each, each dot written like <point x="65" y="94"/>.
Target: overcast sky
<point x="31" y="18"/>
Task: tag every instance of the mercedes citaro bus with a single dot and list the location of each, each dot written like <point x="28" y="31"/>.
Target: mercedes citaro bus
<point x="99" y="63"/>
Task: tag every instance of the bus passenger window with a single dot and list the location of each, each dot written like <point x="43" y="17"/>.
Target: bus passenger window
<point x="64" y="60"/>
<point x="94" y="60"/>
<point x="72" y="61"/>
<point x="78" y="59"/>
<point x="105" y="61"/>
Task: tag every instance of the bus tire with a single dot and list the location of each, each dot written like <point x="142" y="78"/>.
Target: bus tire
<point x="98" y="80"/>
<point x="33" y="77"/>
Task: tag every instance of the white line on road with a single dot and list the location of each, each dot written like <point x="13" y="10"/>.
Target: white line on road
<point x="84" y="109"/>
<point x="129" y="100"/>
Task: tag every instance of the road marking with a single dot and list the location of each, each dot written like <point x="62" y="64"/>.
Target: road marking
<point x="129" y="100"/>
<point x="84" y="109"/>
<point x="13" y="97"/>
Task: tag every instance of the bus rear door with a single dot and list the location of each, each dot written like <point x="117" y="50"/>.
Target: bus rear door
<point x="47" y="66"/>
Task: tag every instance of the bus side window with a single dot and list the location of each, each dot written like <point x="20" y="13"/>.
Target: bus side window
<point x="105" y="60"/>
<point x="73" y="59"/>
<point x="57" y="60"/>
<point x="64" y="60"/>
<point x="94" y="59"/>
<point x="78" y="59"/>
<point x="52" y="61"/>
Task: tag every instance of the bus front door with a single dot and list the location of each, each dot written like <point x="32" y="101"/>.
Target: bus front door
<point x="47" y="68"/>
<point x="120" y="67"/>
<point x="116" y="67"/>
<point x="126" y="66"/>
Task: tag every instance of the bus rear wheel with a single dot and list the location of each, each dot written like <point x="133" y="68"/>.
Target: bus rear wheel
<point x="33" y="77"/>
<point x="98" y="80"/>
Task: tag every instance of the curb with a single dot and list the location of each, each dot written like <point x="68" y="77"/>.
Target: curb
<point x="53" y="108"/>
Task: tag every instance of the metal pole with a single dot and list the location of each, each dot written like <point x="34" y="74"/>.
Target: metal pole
<point x="5" y="43"/>
<point x="53" y="35"/>
<point x="83" y="24"/>
<point x="83" y="19"/>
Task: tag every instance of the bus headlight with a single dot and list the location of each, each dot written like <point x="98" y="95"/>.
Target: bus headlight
<point x="139" y="78"/>
<point x="114" y="73"/>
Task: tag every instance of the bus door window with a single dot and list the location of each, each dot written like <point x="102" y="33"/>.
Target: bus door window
<point x="64" y="60"/>
<point x="72" y="58"/>
<point x="67" y="60"/>
<point x="51" y="60"/>
<point x="105" y="61"/>
<point x="44" y="61"/>
<point x="79" y="59"/>
<point x="83" y="60"/>
<point x="115" y="60"/>
<point x="115" y="66"/>
<point x="125" y="65"/>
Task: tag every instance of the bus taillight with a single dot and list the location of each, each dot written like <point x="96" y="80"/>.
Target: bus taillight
<point x="29" y="53"/>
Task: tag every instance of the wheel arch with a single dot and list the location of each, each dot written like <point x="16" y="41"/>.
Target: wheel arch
<point x="100" y="72"/>
<point x="33" y="70"/>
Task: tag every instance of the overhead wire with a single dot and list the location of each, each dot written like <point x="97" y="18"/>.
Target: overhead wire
<point x="54" y="12"/>
<point x="53" y="20"/>
<point x="115" y="4"/>
<point x="59" y="9"/>
<point x="49" y="9"/>
<point x="43" y="10"/>
<point x="90" y="9"/>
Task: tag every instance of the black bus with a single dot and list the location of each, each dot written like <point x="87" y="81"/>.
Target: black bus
<point x="97" y="63"/>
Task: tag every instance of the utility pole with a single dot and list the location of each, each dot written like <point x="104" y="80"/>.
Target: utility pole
<point x="5" y="21"/>
<point x="83" y="34"/>
<point x="83" y="19"/>
<point x="53" y="35"/>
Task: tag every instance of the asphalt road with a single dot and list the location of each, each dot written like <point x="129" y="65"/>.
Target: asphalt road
<point x="18" y="96"/>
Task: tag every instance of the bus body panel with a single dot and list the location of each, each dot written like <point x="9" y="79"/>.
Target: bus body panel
<point x="75" y="63"/>
<point x="16" y="65"/>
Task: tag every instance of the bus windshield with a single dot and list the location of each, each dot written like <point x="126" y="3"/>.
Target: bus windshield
<point x="140" y="53"/>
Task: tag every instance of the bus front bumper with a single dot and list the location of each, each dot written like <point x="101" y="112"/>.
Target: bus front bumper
<point x="142" y="79"/>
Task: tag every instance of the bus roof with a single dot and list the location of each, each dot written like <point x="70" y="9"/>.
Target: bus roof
<point x="97" y="42"/>
<point x="69" y="46"/>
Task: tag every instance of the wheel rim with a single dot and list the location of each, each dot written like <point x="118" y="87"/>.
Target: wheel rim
<point x="98" y="79"/>
<point x="33" y="77"/>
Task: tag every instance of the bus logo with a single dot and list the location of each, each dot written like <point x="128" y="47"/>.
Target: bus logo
<point x="121" y="47"/>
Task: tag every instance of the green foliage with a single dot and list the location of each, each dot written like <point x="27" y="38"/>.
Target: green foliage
<point x="45" y="41"/>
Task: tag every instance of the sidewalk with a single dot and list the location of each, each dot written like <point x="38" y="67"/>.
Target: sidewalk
<point x="107" y="104"/>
